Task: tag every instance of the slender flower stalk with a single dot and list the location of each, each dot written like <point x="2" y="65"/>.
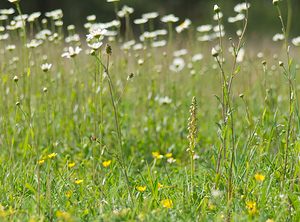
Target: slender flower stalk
<point x="192" y="138"/>
<point x="291" y="93"/>
<point x="227" y="127"/>
<point x="120" y="159"/>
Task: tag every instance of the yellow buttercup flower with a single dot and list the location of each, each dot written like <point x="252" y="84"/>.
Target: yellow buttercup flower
<point x="259" y="177"/>
<point x="40" y="162"/>
<point x="169" y="155"/>
<point x="52" y="155"/>
<point x="167" y="203"/>
<point x="141" y="188"/>
<point x="68" y="193"/>
<point x="211" y="206"/>
<point x="159" y="185"/>
<point x="106" y="163"/>
<point x="157" y="155"/>
<point x="71" y="165"/>
<point x="63" y="215"/>
<point x="78" y="181"/>
<point x="251" y="207"/>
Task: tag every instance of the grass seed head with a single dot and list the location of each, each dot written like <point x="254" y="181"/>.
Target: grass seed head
<point x="192" y="126"/>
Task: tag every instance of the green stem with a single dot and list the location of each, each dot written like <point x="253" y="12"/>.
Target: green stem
<point x="117" y="124"/>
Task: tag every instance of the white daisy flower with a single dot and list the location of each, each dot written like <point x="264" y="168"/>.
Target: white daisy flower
<point x="71" y="52"/>
<point x="177" y="65"/>
<point x="46" y="67"/>
<point x="150" y="15"/>
<point x="204" y="28"/>
<point x="278" y="37"/>
<point x="169" y="18"/>
<point x="239" y="8"/>
<point x="183" y="26"/>
<point x="296" y="41"/>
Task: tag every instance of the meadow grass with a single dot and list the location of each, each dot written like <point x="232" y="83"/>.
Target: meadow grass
<point x="148" y="130"/>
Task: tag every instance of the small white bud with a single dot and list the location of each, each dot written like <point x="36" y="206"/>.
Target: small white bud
<point x="214" y="52"/>
<point x="217" y="9"/>
<point x="281" y="63"/>
<point x="130" y="76"/>
<point x="16" y="78"/>
<point x="275" y="2"/>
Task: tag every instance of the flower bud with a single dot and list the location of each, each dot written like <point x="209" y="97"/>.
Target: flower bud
<point x="130" y="76"/>
<point x="108" y="49"/>
<point x="217" y="9"/>
<point x="16" y="79"/>
<point x="275" y="2"/>
<point x="92" y="52"/>
<point x="281" y="63"/>
<point x="214" y="52"/>
<point x="14" y="1"/>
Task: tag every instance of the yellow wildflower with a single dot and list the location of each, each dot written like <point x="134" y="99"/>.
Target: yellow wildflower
<point x="259" y="177"/>
<point x="141" y="188"/>
<point x="251" y="207"/>
<point x="211" y="206"/>
<point x="40" y="162"/>
<point x="78" y="181"/>
<point x="106" y="163"/>
<point x="5" y="213"/>
<point x="159" y="185"/>
<point x="270" y="220"/>
<point x="68" y="193"/>
<point x="63" y="215"/>
<point x="167" y="203"/>
<point x="52" y="155"/>
<point x="168" y="155"/>
<point x="71" y="165"/>
<point x="157" y="155"/>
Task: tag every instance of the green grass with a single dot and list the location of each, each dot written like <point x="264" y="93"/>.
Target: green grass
<point x="68" y="154"/>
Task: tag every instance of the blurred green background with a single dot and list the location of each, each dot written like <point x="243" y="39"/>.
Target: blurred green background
<point x="263" y="16"/>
